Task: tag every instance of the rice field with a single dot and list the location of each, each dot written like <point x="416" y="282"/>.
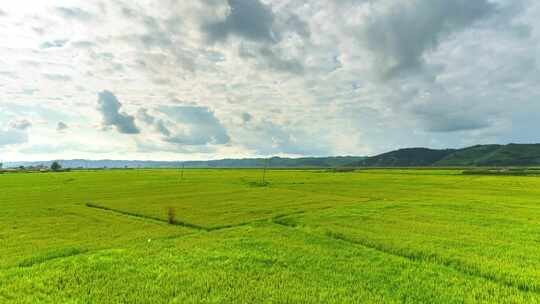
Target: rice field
<point x="306" y="236"/>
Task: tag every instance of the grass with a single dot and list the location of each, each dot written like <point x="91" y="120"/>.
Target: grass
<point x="307" y="236"/>
<point x="504" y="171"/>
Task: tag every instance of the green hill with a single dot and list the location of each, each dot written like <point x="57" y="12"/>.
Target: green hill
<point x="480" y="155"/>
<point x="412" y="157"/>
<point x="471" y="156"/>
<point x="513" y="155"/>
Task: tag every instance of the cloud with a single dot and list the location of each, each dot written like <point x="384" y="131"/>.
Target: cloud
<point x="263" y="34"/>
<point x="15" y="133"/>
<point x="271" y="59"/>
<point x="441" y="111"/>
<point x="155" y="36"/>
<point x="29" y="91"/>
<point x="109" y="107"/>
<point x="74" y="13"/>
<point x="267" y="138"/>
<point x="399" y="32"/>
<point x="12" y="137"/>
<point x="8" y="74"/>
<point x="61" y="126"/>
<point x="162" y="128"/>
<point x="251" y="20"/>
<point x="158" y="124"/>
<point x="246" y="117"/>
<point x="54" y="44"/>
<point x="311" y="77"/>
<point x="291" y="22"/>
<point x="143" y="115"/>
<point x="194" y="126"/>
<point x="83" y="44"/>
<point x="20" y="124"/>
<point x="159" y="36"/>
<point x="57" y="77"/>
<point x="451" y="120"/>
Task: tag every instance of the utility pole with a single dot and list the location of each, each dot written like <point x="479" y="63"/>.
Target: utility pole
<point x="266" y="163"/>
<point x="182" y="171"/>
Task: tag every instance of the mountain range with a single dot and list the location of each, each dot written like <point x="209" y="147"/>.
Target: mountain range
<point x="274" y="162"/>
<point x="475" y="156"/>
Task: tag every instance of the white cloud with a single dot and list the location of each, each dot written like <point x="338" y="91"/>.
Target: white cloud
<point x="12" y="137"/>
<point x="216" y="78"/>
<point x="109" y="106"/>
<point x="192" y="126"/>
<point x="20" y="124"/>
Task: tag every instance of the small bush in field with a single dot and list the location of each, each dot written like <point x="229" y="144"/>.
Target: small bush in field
<point x="171" y="216"/>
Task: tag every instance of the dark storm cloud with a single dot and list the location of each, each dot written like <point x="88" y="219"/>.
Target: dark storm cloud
<point x="109" y="107"/>
<point x="204" y="127"/>
<point x="400" y="36"/>
<point x="252" y="20"/>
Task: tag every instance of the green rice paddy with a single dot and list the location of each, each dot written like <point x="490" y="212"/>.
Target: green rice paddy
<point x="308" y="236"/>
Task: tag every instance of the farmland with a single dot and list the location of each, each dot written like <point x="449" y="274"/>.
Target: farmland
<point x="307" y="236"/>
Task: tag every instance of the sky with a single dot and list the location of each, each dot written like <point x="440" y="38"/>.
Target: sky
<point x="210" y="79"/>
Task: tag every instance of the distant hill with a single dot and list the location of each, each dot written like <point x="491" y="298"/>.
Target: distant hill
<point x="512" y="155"/>
<point x="412" y="157"/>
<point x="275" y="162"/>
<point x="481" y="155"/>
<point x="471" y="156"/>
<point x="278" y="162"/>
